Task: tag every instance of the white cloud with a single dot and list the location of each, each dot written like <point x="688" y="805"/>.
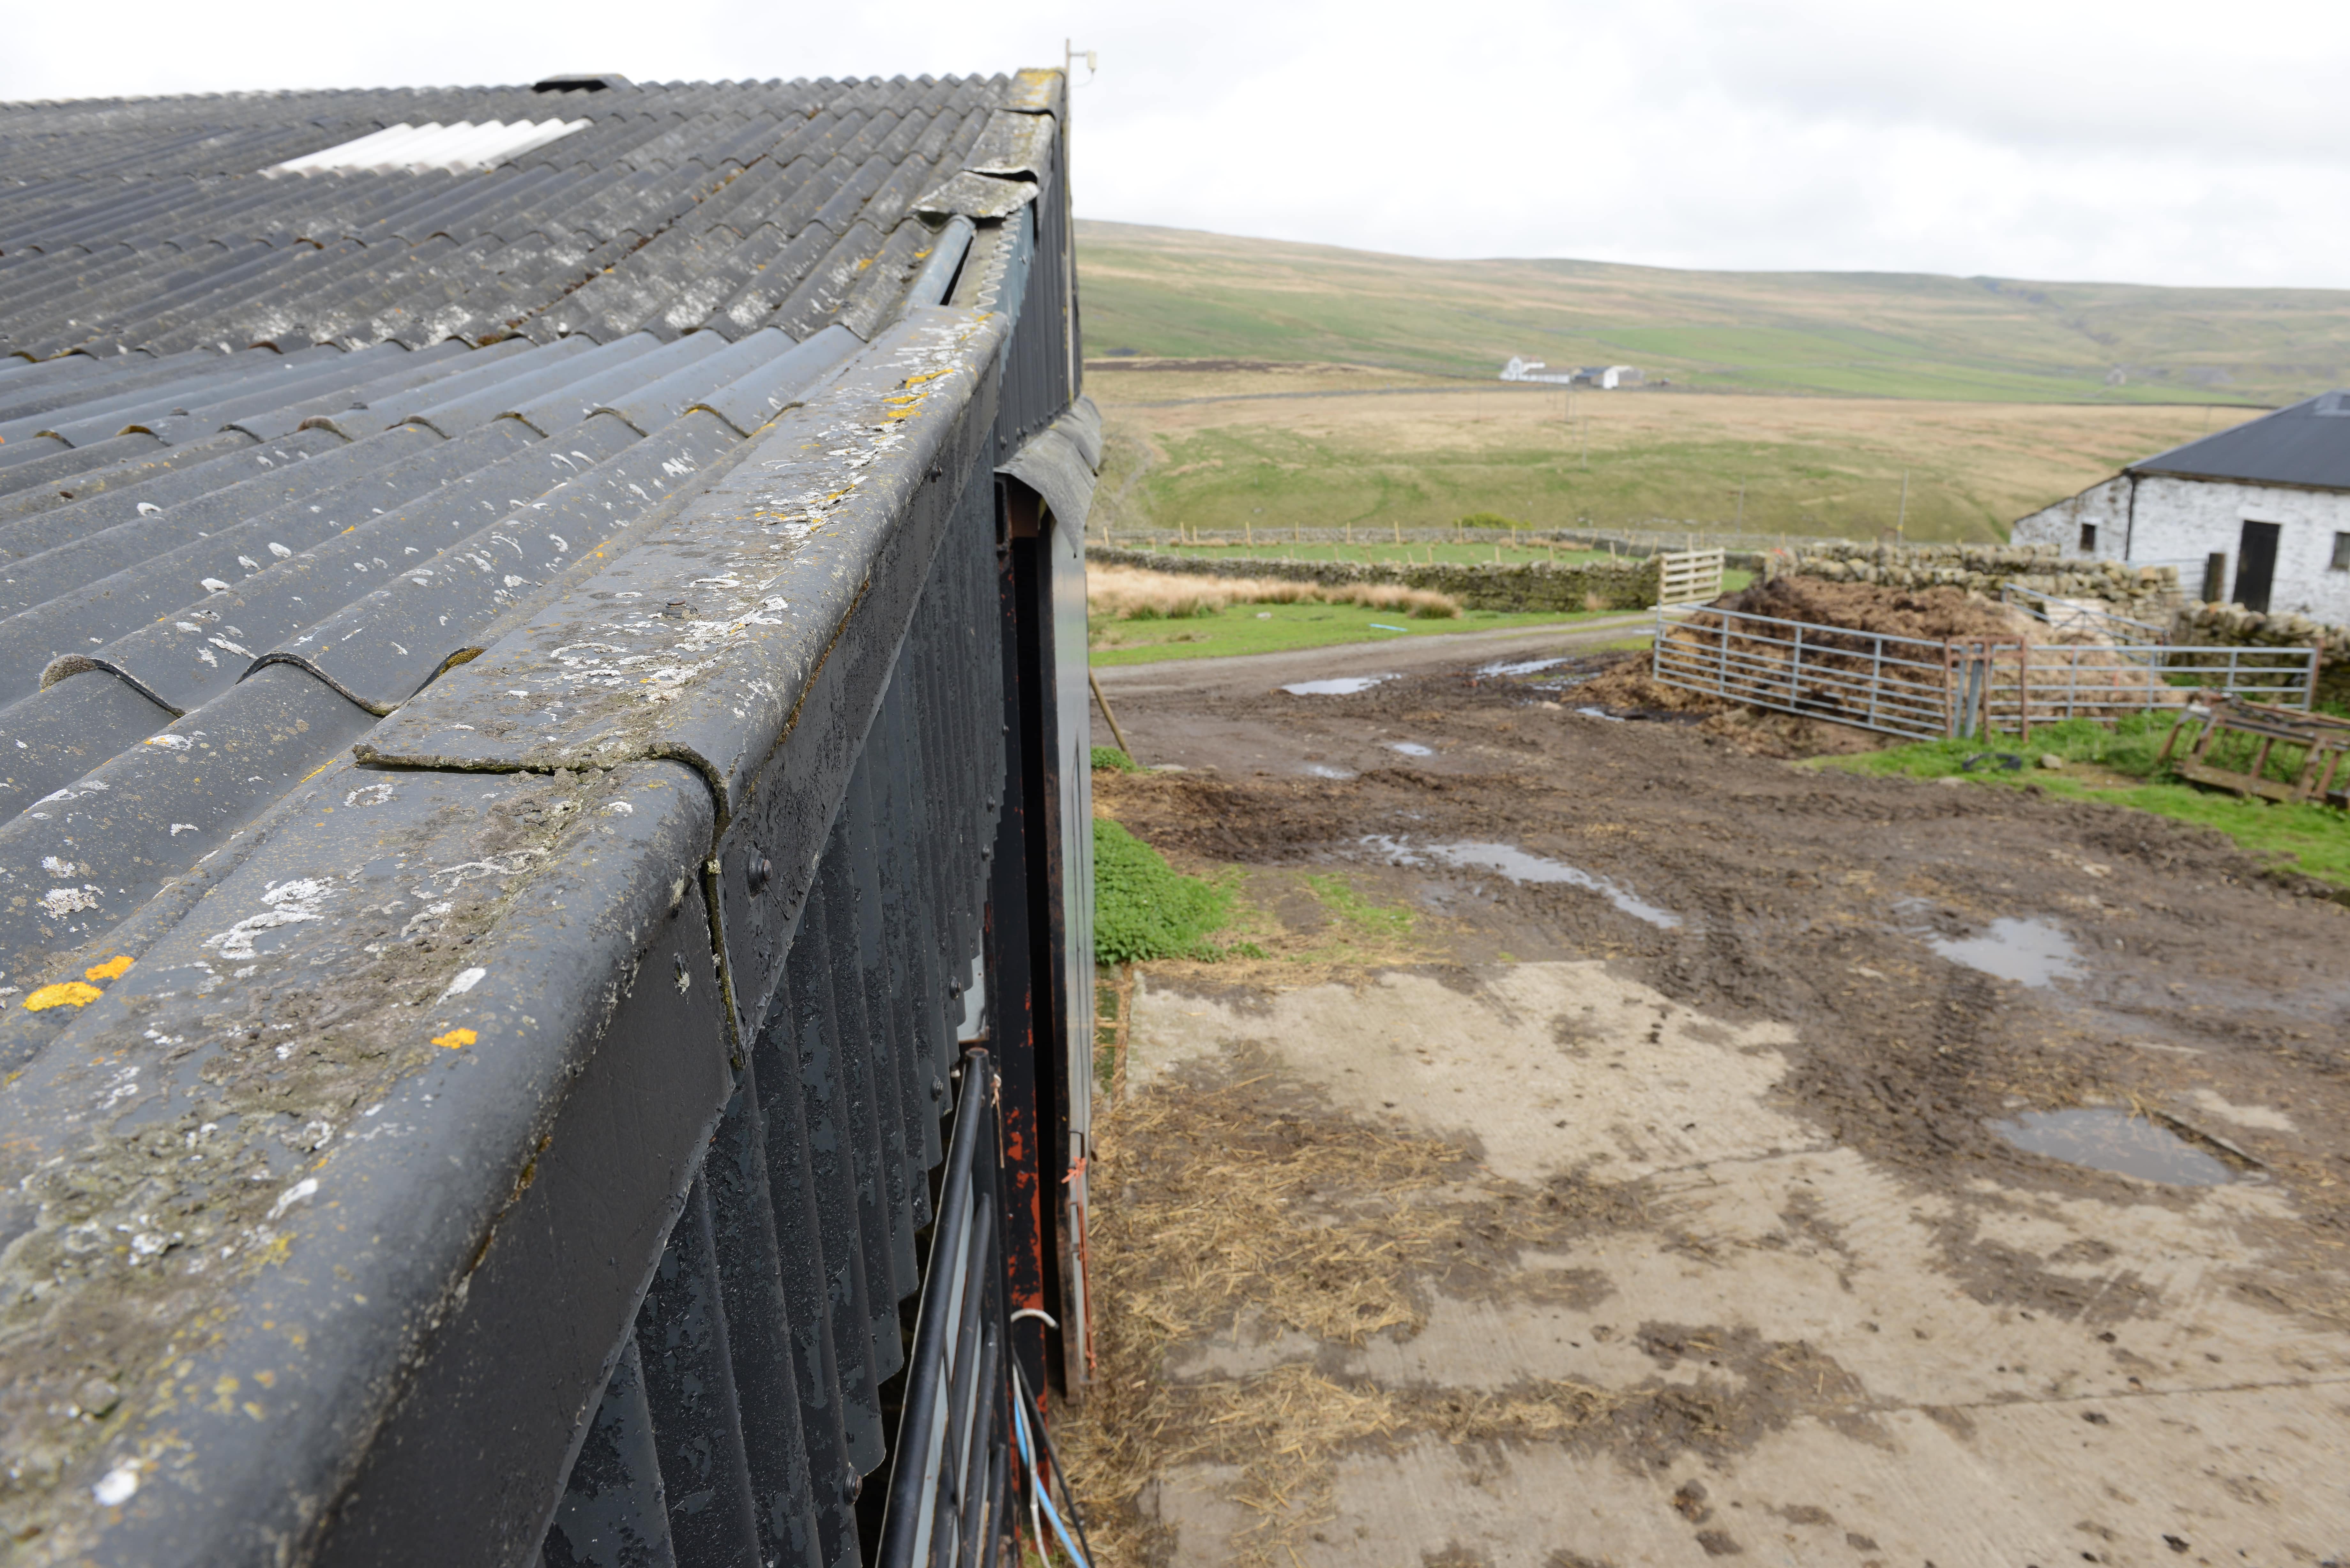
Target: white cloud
<point x="2152" y="143"/>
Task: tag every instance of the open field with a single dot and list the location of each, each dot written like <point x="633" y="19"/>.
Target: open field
<point x="1275" y="546"/>
<point x="1272" y="628"/>
<point x="1332" y="447"/>
<point x="1184" y="294"/>
<point x="1602" y="1145"/>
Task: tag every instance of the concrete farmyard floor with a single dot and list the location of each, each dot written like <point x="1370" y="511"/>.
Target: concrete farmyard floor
<point x="1921" y="1426"/>
<point x="1592" y="1149"/>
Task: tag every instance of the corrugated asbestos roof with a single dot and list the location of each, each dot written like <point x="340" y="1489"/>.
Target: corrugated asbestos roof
<point x="408" y="580"/>
<point x="277" y="449"/>
<point x="2305" y="444"/>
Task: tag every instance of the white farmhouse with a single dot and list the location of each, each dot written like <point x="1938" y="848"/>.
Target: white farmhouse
<point x="1606" y="378"/>
<point x="2258" y="515"/>
<point x="1521" y="368"/>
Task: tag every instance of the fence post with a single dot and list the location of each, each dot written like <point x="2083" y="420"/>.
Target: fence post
<point x="2023" y="689"/>
<point x="1950" y="717"/>
<point x="1876" y="674"/>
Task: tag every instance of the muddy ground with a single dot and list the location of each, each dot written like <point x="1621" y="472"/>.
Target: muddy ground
<point x="1589" y="1152"/>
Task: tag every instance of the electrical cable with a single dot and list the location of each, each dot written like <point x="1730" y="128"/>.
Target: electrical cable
<point x="1038" y="1495"/>
<point x="1020" y="1385"/>
<point x="1028" y="1464"/>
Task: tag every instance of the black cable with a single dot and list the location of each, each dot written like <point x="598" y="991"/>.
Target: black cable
<point x="1060" y="1471"/>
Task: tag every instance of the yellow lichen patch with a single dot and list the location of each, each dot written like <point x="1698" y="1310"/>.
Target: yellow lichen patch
<point x="931" y="376"/>
<point x="111" y="969"/>
<point x="456" y="1039"/>
<point x="72" y="994"/>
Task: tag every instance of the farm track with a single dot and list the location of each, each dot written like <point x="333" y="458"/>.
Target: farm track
<point x="1656" y="1212"/>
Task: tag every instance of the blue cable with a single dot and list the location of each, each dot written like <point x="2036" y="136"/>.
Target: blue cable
<point x="1036" y="1487"/>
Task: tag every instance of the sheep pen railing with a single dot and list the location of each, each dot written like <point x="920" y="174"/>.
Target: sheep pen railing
<point x="1928" y="689"/>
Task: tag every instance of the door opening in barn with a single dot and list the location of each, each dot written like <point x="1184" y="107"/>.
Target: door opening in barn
<point x="2256" y="564"/>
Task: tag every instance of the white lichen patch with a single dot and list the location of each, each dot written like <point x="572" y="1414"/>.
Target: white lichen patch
<point x="290" y="903"/>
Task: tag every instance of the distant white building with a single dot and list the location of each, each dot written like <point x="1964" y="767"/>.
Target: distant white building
<point x="1606" y="378"/>
<point x="1523" y="369"/>
<point x="2258" y="515"/>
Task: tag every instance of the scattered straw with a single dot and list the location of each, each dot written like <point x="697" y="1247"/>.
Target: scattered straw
<point x="1311" y="1223"/>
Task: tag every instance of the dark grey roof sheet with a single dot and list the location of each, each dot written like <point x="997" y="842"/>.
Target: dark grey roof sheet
<point x="324" y="499"/>
<point x="153" y="224"/>
<point x="276" y="452"/>
<point x="2306" y="443"/>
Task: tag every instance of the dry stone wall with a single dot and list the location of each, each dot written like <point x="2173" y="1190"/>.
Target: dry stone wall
<point x="2143" y="592"/>
<point x="1535" y="586"/>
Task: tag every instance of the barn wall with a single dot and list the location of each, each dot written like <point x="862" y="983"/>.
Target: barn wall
<point x="2179" y="522"/>
<point x="2106" y="505"/>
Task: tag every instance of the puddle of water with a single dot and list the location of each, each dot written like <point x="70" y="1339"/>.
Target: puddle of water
<point x="2031" y="952"/>
<point x="1325" y="770"/>
<point x="1336" y="686"/>
<point x="1523" y="667"/>
<point x="2117" y="1141"/>
<point x="1410" y="748"/>
<point x="1519" y="865"/>
<point x="1599" y="713"/>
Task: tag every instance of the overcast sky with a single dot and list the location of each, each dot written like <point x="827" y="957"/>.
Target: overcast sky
<point x="2143" y="142"/>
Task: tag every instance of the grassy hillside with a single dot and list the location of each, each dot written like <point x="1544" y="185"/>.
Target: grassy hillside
<point x="1230" y="449"/>
<point x="1172" y="292"/>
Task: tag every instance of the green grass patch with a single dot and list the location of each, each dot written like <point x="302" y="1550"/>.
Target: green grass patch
<point x="1116" y="761"/>
<point x="1272" y="546"/>
<point x="1348" y="906"/>
<point x="1230" y="479"/>
<point x="1144" y="908"/>
<point x="1272" y="628"/>
<point x="2121" y="768"/>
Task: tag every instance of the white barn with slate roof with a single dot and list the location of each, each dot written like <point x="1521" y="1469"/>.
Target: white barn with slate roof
<point x="2258" y="515"/>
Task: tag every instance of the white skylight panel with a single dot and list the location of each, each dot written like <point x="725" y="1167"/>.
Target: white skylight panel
<point x="458" y="148"/>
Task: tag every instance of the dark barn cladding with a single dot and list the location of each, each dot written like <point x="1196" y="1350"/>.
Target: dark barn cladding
<point x="546" y="941"/>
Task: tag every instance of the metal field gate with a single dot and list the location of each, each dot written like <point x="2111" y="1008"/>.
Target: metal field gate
<point x="631" y="1107"/>
<point x="1931" y="690"/>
